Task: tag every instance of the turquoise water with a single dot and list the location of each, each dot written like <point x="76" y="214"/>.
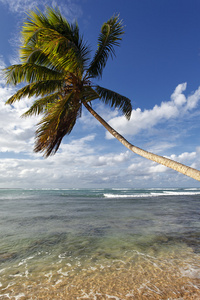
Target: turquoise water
<point x="100" y="244"/>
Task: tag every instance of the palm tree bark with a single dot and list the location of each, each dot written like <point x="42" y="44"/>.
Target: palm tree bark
<point x="188" y="171"/>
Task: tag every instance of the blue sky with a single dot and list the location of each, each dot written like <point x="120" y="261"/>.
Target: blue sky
<point x="157" y="66"/>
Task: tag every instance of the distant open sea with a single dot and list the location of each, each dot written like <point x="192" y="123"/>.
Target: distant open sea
<point x="115" y="244"/>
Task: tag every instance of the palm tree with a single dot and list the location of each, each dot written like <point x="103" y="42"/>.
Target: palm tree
<point x="56" y="67"/>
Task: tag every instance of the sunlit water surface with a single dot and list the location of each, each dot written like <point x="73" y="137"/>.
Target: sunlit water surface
<point x="100" y="244"/>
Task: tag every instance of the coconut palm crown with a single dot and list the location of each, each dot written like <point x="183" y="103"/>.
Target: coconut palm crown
<point x="56" y="65"/>
<point x="57" y="69"/>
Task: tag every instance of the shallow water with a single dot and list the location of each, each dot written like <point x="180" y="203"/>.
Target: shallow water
<point x="100" y="244"/>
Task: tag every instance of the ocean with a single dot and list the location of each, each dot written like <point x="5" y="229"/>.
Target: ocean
<point x="115" y="244"/>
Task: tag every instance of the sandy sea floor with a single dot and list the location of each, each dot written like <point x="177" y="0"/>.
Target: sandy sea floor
<point x="135" y="276"/>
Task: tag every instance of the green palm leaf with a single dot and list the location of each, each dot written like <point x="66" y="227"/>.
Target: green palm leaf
<point x="57" y="122"/>
<point x="41" y="88"/>
<point x="35" y="55"/>
<point x="56" y="38"/>
<point x="41" y="105"/>
<point x="89" y="94"/>
<point x="109" y="37"/>
<point x="38" y="21"/>
<point x="29" y="72"/>
<point x="115" y="100"/>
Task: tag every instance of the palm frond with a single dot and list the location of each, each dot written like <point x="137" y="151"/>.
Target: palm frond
<point x="54" y="48"/>
<point x="109" y="37"/>
<point x="41" y="105"/>
<point x="35" y="55"/>
<point x="88" y="94"/>
<point x="41" y="88"/>
<point x="115" y="100"/>
<point x="29" y="72"/>
<point x="62" y="54"/>
<point x="57" y="122"/>
<point x="56" y="38"/>
<point x="36" y="21"/>
<point x="65" y="53"/>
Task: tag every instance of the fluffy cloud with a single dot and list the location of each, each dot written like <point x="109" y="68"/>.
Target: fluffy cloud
<point x="110" y="159"/>
<point x="76" y="164"/>
<point x="140" y="120"/>
<point x="16" y="134"/>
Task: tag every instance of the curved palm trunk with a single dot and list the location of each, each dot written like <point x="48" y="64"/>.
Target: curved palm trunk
<point x="188" y="171"/>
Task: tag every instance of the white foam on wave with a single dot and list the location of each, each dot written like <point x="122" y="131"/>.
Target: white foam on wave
<point x="152" y="194"/>
<point x="112" y="297"/>
<point x="3" y="270"/>
<point x="192" y="189"/>
<point x="62" y="255"/>
<point x="57" y="282"/>
<point x="142" y="195"/>
<point x="19" y="296"/>
<point x="181" y="193"/>
<point x="5" y="295"/>
<point x="63" y="273"/>
<point x="9" y="285"/>
<point x="17" y="275"/>
<point x="192" y="272"/>
<point x="121" y="189"/>
<point x="24" y="261"/>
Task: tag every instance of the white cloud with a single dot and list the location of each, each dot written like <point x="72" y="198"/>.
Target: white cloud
<point x="20" y="5"/>
<point x="74" y="165"/>
<point x="177" y="97"/>
<point x="78" y="164"/>
<point x="140" y="120"/>
<point x="68" y="7"/>
<point x="192" y="100"/>
<point x="110" y="159"/>
<point x="16" y="134"/>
